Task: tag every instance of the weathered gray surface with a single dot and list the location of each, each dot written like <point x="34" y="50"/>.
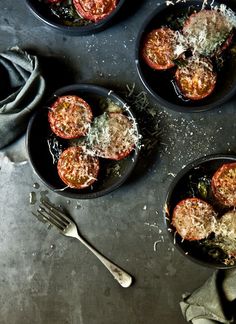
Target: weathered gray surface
<point x="47" y="278"/>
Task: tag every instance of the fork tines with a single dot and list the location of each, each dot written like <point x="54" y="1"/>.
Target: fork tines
<point x="53" y="215"/>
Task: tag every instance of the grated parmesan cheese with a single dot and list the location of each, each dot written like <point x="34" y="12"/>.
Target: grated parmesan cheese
<point x="194" y="219"/>
<point x="111" y="135"/>
<point x="206" y="30"/>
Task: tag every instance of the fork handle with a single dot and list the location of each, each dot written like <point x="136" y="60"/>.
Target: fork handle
<point x="124" y="279"/>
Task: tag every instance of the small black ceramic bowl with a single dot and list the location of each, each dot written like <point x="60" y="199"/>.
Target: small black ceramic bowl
<point x="43" y="13"/>
<point x="39" y="139"/>
<point x="194" y="181"/>
<point x="161" y="83"/>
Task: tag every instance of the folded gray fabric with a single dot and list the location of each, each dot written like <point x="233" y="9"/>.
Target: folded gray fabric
<point x="214" y="302"/>
<point x="22" y="89"/>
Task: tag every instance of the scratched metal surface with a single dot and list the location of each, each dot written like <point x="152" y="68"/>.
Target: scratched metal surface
<point x="47" y="278"/>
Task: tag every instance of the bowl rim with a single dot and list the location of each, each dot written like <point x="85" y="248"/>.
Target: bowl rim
<point x="92" y="28"/>
<point x="95" y="89"/>
<point x="177" y="178"/>
<point x="162" y="101"/>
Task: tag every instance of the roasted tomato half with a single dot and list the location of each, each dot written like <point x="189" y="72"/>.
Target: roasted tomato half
<point x="226" y="233"/>
<point x="158" y="48"/>
<point x="76" y="168"/>
<point x="112" y="136"/>
<point x="196" y="78"/>
<point x="194" y="219"/>
<point x="223" y="184"/>
<point x="206" y="31"/>
<point x="70" y="117"/>
<point x="226" y="225"/>
<point x="94" y="10"/>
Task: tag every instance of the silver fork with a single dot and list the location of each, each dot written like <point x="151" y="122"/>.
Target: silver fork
<point x="67" y="227"/>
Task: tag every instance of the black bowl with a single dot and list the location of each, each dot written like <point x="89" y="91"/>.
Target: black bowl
<point x="41" y="11"/>
<point x="185" y="185"/>
<point x="112" y="173"/>
<point x="159" y="84"/>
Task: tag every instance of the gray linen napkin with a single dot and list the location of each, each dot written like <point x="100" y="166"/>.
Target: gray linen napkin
<point x="21" y="90"/>
<point x="214" y="302"/>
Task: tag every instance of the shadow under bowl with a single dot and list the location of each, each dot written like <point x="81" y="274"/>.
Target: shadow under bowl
<point x="185" y="185"/>
<point x="43" y="13"/>
<point x="161" y="84"/>
<point x="112" y="173"/>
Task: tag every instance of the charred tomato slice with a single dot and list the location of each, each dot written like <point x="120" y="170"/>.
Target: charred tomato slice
<point x="226" y="235"/>
<point x="196" y="78"/>
<point x="223" y="184"/>
<point x="94" y="10"/>
<point x="158" y="48"/>
<point x="226" y="226"/>
<point x="70" y="117"/>
<point x="112" y="136"/>
<point x="206" y="31"/>
<point x="77" y="169"/>
<point x="194" y="219"/>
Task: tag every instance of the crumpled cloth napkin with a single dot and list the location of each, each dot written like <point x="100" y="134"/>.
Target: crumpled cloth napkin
<point x="22" y="87"/>
<point x="214" y="302"/>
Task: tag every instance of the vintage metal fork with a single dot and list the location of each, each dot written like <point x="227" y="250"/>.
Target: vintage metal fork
<point x="67" y="227"/>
